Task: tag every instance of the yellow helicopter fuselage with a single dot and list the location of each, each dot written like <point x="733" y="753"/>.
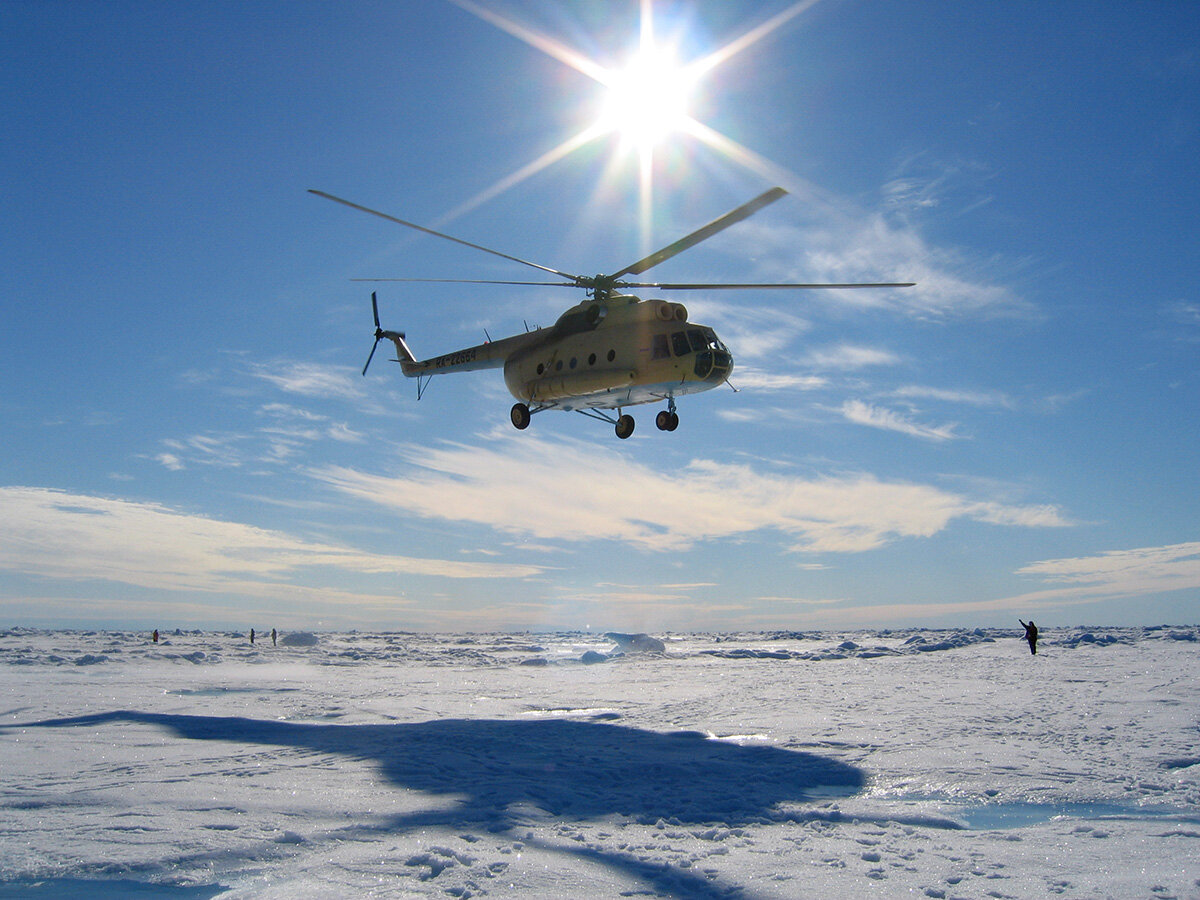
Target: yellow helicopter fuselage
<point x="598" y="355"/>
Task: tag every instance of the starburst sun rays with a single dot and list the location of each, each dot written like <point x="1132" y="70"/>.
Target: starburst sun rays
<point x="646" y="101"/>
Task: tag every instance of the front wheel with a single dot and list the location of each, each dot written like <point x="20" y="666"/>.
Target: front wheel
<point x="520" y="416"/>
<point x="625" y="426"/>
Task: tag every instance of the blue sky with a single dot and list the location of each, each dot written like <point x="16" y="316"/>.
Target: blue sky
<point x="188" y="441"/>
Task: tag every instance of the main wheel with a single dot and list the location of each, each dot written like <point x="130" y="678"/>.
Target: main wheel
<point x="520" y="416"/>
<point x="667" y="420"/>
<point x="625" y="426"/>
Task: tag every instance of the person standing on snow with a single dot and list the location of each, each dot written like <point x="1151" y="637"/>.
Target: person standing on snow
<point x="1030" y="635"/>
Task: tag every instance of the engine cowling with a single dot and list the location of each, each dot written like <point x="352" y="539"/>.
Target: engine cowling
<point x="578" y="319"/>
<point x="670" y="312"/>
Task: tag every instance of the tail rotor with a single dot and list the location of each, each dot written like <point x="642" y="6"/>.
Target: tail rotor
<point x="380" y="334"/>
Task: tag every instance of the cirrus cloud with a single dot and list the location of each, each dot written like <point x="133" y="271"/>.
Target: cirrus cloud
<point x="1126" y="572"/>
<point x="572" y="492"/>
<point x="889" y="420"/>
<point x="55" y="534"/>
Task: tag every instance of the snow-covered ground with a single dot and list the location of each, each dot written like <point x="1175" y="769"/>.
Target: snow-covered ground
<point x="889" y="764"/>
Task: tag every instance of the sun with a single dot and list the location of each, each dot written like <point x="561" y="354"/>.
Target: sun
<point x="644" y="103"/>
<point x="648" y="100"/>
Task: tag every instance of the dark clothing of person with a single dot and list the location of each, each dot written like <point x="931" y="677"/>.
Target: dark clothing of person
<point x="272" y="637"/>
<point x="252" y="635"/>
<point x="1031" y="634"/>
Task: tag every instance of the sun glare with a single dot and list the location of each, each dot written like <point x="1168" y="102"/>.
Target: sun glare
<point x="648" y="100"/>
<point x="645" y="103"/>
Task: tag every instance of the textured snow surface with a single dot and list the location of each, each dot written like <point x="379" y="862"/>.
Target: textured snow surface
<point x="867" y="764"/>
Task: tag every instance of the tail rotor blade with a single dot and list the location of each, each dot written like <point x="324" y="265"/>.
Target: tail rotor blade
<point x="378" y="332"/>
<point x="371" y="356"/>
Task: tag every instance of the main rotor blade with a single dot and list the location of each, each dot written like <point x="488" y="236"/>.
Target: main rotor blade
<point x="659" y="285"/>
<point x="666" y="286"/>
<point x="472" y="281"/>
<point x="447" y="237"/>
<point x="730" y="218"/>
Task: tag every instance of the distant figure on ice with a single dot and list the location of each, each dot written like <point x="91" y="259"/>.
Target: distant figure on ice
<point x="1030" y="635"/>
<point x="272" y="637"/>
<point x="154" y="637"/>
<point x="252" y="635"/>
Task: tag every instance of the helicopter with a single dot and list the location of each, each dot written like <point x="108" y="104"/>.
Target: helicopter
<point x="611" y="351"/>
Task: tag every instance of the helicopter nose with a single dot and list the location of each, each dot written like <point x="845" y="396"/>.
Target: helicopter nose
<point x="713" y="365"/>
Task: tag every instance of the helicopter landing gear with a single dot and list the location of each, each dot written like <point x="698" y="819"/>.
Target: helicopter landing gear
<point x="667" y="421"/>
<point x="520" y="416"/>
<point x="625" y="426"/>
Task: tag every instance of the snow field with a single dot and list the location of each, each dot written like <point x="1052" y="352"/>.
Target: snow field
<point x="928" y="764"/>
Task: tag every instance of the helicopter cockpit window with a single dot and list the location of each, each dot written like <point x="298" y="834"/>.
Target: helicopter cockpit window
<point x="699" y="341"/>
<point x="712" y="342"/>
<point x="659" y="348"/>
<point x="679" y="343"/>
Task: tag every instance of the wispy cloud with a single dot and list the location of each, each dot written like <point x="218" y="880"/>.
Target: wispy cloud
<point x="1131" y="573"/>
<point x="946" y="284"/>
<point x="840" y="244"/>
<point x="287" y="432"/>
<point x="949" y="395"/>
<point x="953" y="187"/>
<point x="1183" y="321"/>
<point x="170" y="461"/>
<point x="54" y="534"/>
<point x="210" y="449"/>
<point x="758" y="380"/>
<point x="801" y="601"/>
<point x="889" y="420"/>
<point x="562" y="492"/>
<point x="754" y="333"/>
<point x="846" y="357"/>
<point x="311" y="379"/>
<point x="1118" y="574"/>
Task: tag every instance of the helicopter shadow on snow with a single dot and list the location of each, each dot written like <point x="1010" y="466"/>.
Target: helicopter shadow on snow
<point x="570" y="770"/>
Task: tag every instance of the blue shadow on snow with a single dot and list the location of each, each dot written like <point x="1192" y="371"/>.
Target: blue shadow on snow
<point x="570" y="769"/>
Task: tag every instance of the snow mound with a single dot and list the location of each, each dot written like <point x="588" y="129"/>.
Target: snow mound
<point x="299" y="639"/>
<point x="1088" y="637"/>
<point x="749" y="653"/>
<point x="636" y="643"/>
